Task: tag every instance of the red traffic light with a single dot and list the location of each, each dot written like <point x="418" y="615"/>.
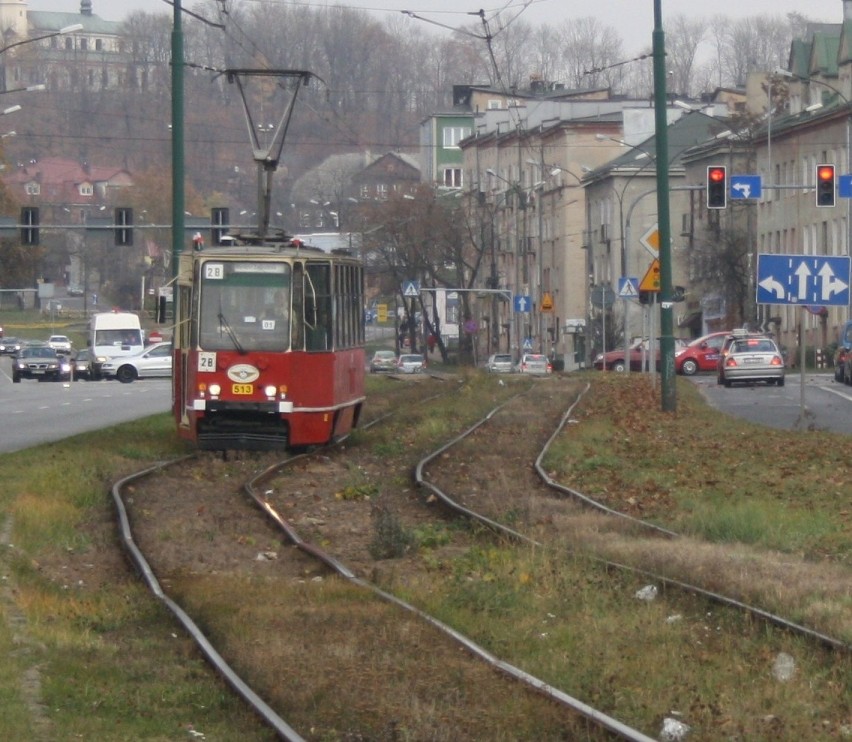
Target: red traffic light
<point x="716" y="174"/>
<point x="717" y="186"/>
<point x="825" y="185"/>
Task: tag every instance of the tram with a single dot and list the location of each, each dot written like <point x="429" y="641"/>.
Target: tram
<point x="268" y="346"/>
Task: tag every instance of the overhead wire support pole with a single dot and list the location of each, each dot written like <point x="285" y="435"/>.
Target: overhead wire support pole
<point x="178" y="197"/>
<point x="667" y="375"/>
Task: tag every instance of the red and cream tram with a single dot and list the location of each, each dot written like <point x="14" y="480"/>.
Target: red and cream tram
<point x="268" y="346"/>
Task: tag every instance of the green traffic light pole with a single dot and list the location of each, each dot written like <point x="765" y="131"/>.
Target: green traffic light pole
<point x="178" y="197"/>
<point x="667" y="374"/>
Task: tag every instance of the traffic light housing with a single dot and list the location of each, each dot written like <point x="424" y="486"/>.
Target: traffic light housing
<point x="717" y="186"/>
<point x="123" y="227"/>
<point x="825" y="185"/>
<point x="29" y="225"/>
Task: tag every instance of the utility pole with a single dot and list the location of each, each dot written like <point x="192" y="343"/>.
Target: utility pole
<point x="667" y="369"/>
<point x="178" y="197"/>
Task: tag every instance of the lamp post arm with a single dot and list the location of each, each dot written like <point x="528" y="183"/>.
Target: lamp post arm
<point x="60" y="32"/>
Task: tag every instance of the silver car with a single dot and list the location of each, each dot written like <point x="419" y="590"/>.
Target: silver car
<point x="499" y="363"/>
<point x="535" y="364"/>
<point x="383" y="360"/>
<point x="155" y="360"/>
<point x="752" y="358"/>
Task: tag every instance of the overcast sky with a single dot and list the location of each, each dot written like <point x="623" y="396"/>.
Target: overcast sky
<point x="633" y="19"/>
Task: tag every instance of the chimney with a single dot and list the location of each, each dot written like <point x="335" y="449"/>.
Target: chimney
<point x="85" y="7"/>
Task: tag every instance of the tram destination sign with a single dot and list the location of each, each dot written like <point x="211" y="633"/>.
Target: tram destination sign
<point x="813" y="280"/>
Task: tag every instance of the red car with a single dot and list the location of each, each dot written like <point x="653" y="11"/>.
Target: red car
<point x="639" y="354"/>
<point x="701" y="354"/>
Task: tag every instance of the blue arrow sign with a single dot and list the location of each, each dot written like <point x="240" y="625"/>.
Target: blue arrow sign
<point x="523" y="304"/>
<point x="817" y="280"/>
<point x="744" y="186"/>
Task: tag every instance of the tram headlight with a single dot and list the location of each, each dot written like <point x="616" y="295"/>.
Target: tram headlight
<point x="215" y="390"/>
<point x="269" y="391"/>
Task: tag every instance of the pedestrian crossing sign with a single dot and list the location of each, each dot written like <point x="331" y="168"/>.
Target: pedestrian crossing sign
<point x="628" y="287"/>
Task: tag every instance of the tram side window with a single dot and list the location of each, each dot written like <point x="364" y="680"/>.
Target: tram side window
<point x="298" y="331"/>
<point x="348" y="302"/>
<point x="318" y="317"/>
<point x="182" y="329"/>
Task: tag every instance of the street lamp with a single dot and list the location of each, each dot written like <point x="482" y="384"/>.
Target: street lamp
<point x="65" y="30"/>
<point x="62" y="31"/>
<point x="519" y="252"/>
<point x="561" y="266"/>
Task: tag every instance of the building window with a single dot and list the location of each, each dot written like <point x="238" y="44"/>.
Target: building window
<point x="495" y="105"/>
<point x="32" y="189"/>
<point x="86" y="189"/>
<point x="84" y="44"/>
<point x="99" y="45"/>
<point x="382" y="191"/>
<point x="69" y="44"/>
<point x="454" y="134"/>
<point x="453" y="177"/>
<point x="364" y="192"/>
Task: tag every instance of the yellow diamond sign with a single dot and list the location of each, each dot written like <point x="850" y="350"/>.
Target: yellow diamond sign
<point x="651" y="241"/>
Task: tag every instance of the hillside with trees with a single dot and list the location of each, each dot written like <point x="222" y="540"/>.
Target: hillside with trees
<point x="377" y="79"/>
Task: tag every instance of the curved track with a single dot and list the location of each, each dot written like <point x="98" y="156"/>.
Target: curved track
<point x="254" y="487"/>
<point x="587" y="501"/>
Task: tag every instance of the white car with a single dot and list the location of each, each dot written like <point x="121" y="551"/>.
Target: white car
<point x="155" y="360"/>
<point x="410" y="363"/>
<point x="60" y="343"/>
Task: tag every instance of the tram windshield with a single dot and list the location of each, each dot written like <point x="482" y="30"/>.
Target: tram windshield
<point x="244" y="306"/>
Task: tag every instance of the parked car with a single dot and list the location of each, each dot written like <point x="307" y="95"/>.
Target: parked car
<point x="639" y="356"/>
<point x="410" y="363"/>
<point x="60" y="343"/>
<point x="40" y="362"/>
<point x="155" y="360"/>
<point x="751" y="358"/>
<point x="75" y="291"/>
<point x="499" y="363"/>
<point x="535" y="364"/>
<point x="81" y="365"/>
<point x="9" y="346"/>
<point x="383" y="360"/>
<point x="842" y="353"/>
<point x="701" y="354"/>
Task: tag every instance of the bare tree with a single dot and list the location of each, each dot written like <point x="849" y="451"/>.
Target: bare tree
<point x="591" y="54"/>
<point x="683" y="40"/>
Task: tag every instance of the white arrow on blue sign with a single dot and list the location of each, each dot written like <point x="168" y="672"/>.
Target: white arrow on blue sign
<point x="818" y="280"/>
<point x="745" y="186"/>
<point x="523" y="304"/>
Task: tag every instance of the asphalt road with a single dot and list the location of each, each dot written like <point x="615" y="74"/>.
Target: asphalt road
<point x="35" y="412"/>
<point x="32" y="413"/>
<point x="822" y="404"/>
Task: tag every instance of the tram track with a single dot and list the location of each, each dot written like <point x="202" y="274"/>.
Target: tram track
<point x="549" y="488"/>
<point x="255" y="486"/>
<point x="282" y="490"/>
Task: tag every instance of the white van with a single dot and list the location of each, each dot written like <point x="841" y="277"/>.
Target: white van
<point x="113" y="334"/>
